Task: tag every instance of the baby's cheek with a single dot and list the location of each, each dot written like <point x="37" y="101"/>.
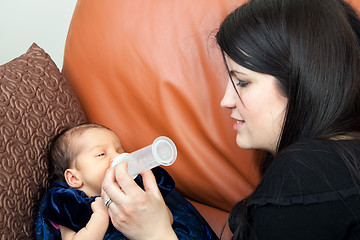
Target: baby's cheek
<point x="103" y="175"/>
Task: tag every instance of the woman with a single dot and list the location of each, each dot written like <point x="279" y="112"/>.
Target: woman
<point x="293" y="91"/>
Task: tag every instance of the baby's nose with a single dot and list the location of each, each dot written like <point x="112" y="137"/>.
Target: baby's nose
<point x="113" y="156"/>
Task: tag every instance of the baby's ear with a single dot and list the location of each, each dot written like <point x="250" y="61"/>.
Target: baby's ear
<point x="72" y="178"/>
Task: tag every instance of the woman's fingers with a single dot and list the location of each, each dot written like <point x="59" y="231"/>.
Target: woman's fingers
<point x="125" y="182"/>
<point x="137" y="213"/>
<point x="110" y="188"/>
<point x="150" y="184"/>
<point x="119" y="176"/>
<point x="119" y="186"/>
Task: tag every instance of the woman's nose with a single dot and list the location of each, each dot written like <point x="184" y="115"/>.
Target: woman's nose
<point x="229" y="99"/>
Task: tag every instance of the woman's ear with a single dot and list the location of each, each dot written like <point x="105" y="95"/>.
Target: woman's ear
<point x="72" y="178"/>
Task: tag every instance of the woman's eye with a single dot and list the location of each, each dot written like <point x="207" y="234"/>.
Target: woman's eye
<point x="241" y="83"/>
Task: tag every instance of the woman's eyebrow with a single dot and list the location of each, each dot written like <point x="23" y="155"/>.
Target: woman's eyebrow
<point x="236" y="72"/>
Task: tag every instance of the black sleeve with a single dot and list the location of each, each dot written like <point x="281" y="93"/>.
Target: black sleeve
<point x="321" y="221"/>
<point x="307" y="193"/>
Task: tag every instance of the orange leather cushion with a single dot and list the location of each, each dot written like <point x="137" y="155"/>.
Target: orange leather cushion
<point x="355" y="4"/>
<point x="151" y="68"/>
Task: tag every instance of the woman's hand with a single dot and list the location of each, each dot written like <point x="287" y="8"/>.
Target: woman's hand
<point x="138" y="214"/>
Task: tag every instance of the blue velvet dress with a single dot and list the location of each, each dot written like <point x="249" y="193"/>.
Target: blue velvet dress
<point x="70" y="207"/>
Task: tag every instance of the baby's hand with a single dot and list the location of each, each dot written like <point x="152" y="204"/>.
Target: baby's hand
<point x="98" y="207"/>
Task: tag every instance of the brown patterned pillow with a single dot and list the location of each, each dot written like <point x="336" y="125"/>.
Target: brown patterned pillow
<point x="36" y="102"/>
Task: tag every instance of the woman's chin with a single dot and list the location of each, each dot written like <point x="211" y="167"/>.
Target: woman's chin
<point x="243" y="144"/>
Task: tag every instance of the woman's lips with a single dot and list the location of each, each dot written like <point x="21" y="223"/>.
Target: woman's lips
<point x="237" y="125"/>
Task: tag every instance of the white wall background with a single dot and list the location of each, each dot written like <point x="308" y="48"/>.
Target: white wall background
<point x="44" y="22"/>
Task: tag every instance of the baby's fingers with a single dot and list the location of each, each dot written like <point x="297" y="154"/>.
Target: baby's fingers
<point x="98" y="204"/>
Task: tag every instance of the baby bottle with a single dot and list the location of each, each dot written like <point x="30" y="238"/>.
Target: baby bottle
<point x="161" y="152"/>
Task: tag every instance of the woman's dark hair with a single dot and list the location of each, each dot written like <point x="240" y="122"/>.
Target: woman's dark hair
<point x="62" y="150"/>
<point x="312" y="47"/>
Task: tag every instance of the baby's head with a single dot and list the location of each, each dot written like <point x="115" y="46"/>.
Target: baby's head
<point x="80" y="156"/>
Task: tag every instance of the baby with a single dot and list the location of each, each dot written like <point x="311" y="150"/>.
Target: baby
<point x="78" y="159"/>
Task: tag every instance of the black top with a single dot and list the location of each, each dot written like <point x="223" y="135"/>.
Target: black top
<point x="307" y="193"/>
